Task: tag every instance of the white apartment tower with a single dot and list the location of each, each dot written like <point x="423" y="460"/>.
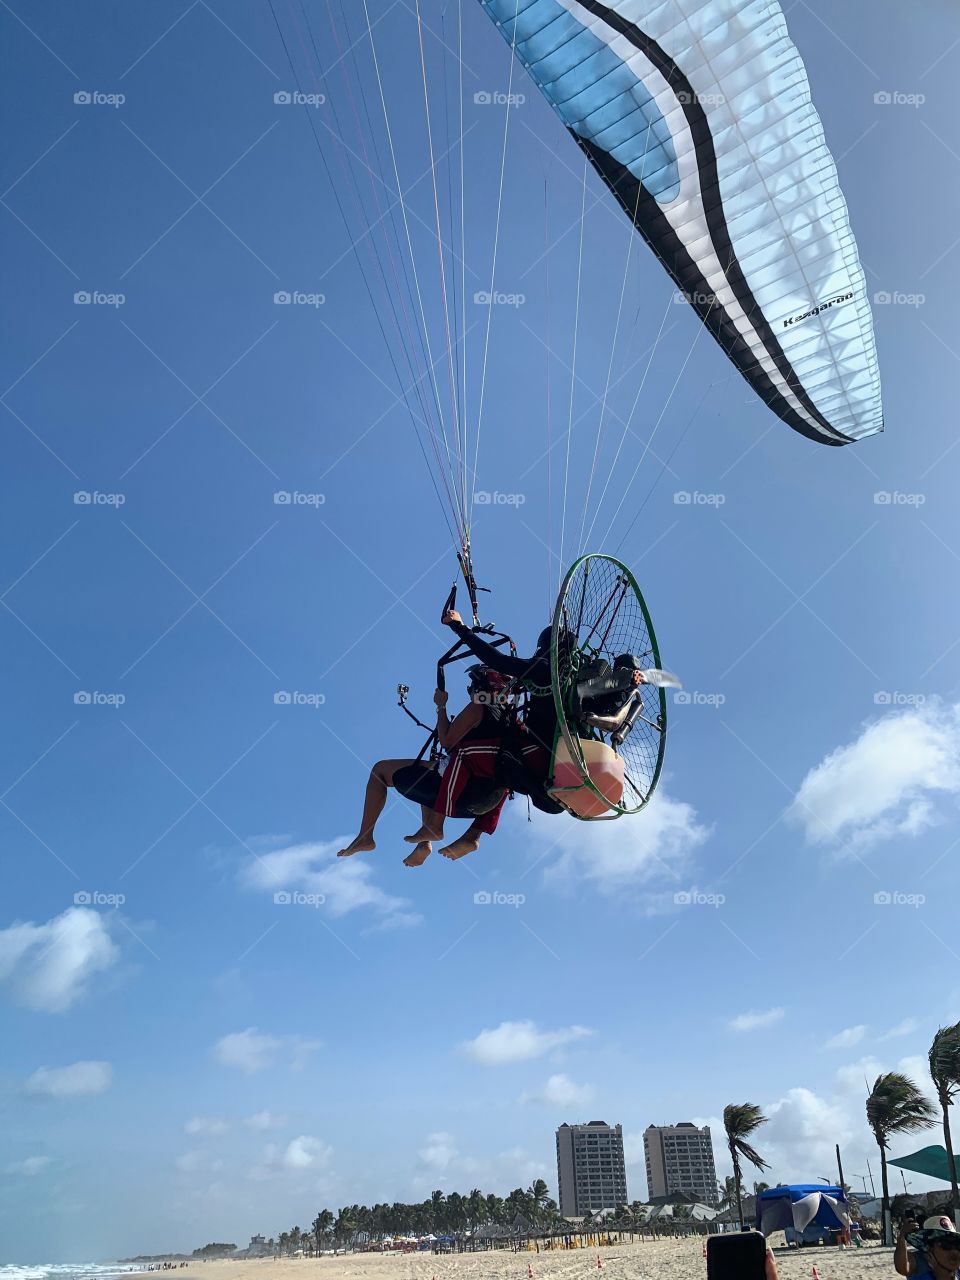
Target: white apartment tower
<point x="679" y="1160"/>
<point x="590" y="1168"/>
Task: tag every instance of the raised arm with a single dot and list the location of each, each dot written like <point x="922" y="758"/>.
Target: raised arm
<point x="904" y="1259"/>
<point x="505" y="663"/>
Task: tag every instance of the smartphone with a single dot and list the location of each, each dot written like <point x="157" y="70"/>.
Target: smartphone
<point x="737" y="1256"/>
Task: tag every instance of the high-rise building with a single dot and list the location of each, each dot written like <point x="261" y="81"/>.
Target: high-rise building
<point x="680" y="1160"/>
<point x="590" y="1168"/>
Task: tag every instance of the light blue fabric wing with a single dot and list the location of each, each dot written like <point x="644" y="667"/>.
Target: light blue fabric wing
<point x="697" y="114"/>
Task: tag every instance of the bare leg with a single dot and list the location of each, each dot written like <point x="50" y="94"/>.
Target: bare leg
<point x="419" y="855"/>
<point x="381" y="778"/>
<point x="469" y="842"/>
<point x="432" y="828"/>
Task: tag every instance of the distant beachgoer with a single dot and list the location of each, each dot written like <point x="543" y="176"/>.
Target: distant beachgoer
<point x="931" y="1250"/>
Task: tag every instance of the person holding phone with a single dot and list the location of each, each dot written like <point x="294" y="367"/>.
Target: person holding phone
<point x="932" y="1250"/>
<point x="742" y="1255"/>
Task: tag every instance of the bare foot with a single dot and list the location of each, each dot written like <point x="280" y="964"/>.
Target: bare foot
<point x="362" y="844"/>
<point x="460" y="848"/>
<point x="425" y="833"/>
<point x="420" y="854"/>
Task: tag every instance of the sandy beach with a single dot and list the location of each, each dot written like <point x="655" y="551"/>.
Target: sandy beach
<point x="656" y="1260"/>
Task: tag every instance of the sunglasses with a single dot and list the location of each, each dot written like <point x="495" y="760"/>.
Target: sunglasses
<point x="953" y="1246"/>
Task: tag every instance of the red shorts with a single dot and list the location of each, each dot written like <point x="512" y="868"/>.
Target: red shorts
<point x="476" y="758"/>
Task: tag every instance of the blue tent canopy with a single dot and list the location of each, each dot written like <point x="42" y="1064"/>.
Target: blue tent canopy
<point x="801" y="1206"/>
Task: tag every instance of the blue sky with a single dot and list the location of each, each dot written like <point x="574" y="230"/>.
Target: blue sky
<point x="196" y="1062"/>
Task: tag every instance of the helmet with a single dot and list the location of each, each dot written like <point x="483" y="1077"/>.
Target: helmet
<point x="565" y="640"/>
<point x="486" y="680"/>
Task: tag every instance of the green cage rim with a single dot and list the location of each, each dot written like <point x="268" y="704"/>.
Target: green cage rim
<point x="572" y="743"/>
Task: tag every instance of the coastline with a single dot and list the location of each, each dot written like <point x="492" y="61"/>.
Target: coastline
<point x="681" y="1259"/>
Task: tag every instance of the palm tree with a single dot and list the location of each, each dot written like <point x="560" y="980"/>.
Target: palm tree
<point x="945" y="1070"/>
<point x="477" y="1212"/>
<point x="728" y="1193"/>
<point x="344" y="1227"/>
<point x="321" y="1228"/>
<point x="895" y="1105"/>
<point x="538" y="1193"/>
<point x="495" y="1208"/>
<point x="741" y="1120"/>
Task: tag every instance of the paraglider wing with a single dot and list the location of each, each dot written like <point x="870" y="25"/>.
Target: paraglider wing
<point x="698" y="117"/>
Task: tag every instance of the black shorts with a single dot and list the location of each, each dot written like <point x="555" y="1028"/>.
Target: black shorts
<point x="421" y="784"/>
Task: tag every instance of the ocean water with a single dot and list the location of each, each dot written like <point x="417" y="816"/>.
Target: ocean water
<point x="63" y="1271"/>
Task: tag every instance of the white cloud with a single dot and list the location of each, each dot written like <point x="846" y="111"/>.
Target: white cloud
<point x="917" y="1067"/>
<point x="306" y="1153"/>
<point x="30" y="1167"/>
<point x="252" y="1050"/>
<point x="264" y="1120"/>
<point x="561" y="1091"/>
<point x="518" y="1042"/>
<point x="755" y="1019"/>
<point x="208" y="1126"/>
<point x="343" y="884"/>
<point x="614" y="856"/>
<point x="70" y="1082"/>
<point x="303" y="1152"/>
<point x="802" y="1131"/>
<point x="50" y="966"/>
<point x="856" y="1078"/>
<point x="247" y="1050"/>
<point x="904" y="1028"/>
<point x="847" y="1038"/>
<point x="189" y="1162"/>
<point x="882" y="784"/>
<point x="439" y="1151"/>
